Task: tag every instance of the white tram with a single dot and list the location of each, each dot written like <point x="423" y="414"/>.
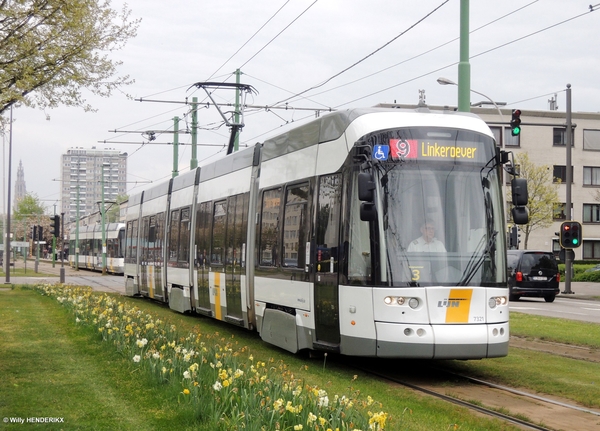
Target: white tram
<point x="306" y="237"/>
<point x="90" y="247"/>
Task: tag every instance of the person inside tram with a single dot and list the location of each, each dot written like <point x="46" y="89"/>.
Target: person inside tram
<point x="427" y="242"/>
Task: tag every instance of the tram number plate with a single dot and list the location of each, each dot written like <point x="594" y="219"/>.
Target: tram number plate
<point x="539" y="278"/>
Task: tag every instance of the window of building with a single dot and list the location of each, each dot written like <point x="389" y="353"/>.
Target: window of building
<point x="591" y="140"/>
<point x="591" y="213"/>
<point x="591" y="176"/>
<point x="591" y="249"/>
<point x="558" y="212"/>
<point x="510" y="140"/>
<point x="560" y="174"/>
<point x="560" y="137"/>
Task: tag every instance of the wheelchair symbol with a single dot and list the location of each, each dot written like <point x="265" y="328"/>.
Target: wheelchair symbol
<point x="381" y="152"/>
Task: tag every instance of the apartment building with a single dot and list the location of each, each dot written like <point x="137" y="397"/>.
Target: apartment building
<point x="90" y="176"/>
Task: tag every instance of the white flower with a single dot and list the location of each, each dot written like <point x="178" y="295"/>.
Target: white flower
<point x="217" y="386"/>
<point x="186" y="375"/>
<point x="323" y="401"/>
<point x="156" y="355"/>
<point x="137" y="358"/>
<point x="141" y="343"/>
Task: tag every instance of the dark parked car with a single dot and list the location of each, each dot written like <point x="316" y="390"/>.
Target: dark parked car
<point x="533" y="274"/>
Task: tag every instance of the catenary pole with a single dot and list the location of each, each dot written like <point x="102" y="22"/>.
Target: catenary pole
<point x="176" y="147"/>
<point x="236" y="117"/>
<point x="464" y="67"/>
<point x="194" y="160"/>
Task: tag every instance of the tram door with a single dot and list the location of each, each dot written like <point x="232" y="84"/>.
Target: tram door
<point x="327" y="324"/>
<point x="201" y="261"/>
<point x="235" y="254"/>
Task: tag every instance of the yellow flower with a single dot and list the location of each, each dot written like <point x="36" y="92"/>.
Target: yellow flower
<point x="186" y="391"/>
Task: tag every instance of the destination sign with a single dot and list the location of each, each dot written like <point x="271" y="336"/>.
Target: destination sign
<point x="414" y="149"/>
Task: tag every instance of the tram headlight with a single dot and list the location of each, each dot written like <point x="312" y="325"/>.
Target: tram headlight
<point x="495" y="301"/>
<point x="388" y="300"/>
<point x="413" y="303"/>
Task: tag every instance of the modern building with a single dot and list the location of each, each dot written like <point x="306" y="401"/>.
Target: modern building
<point x="543" y="138"/>
<point x="90" y="177"/>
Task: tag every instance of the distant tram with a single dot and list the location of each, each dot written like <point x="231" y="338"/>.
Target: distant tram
<point x="311" y="238"/>
<point x="90" y="247"/>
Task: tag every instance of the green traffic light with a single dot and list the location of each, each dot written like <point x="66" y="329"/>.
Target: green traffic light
<point x="516" y="131"/>
<point x="575" y="241"/>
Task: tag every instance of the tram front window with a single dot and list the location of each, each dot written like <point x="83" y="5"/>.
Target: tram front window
<point x="441" y="226"/>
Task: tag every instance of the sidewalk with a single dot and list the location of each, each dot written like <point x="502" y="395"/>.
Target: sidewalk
<point x="581" y="290"/>
<point x="97" y="281"/>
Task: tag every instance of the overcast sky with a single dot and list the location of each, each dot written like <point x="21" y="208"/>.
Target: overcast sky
<point x="303" y="44"/>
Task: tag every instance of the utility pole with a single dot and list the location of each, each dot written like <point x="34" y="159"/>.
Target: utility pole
<point x="464" y="67"/>
<point x="176" y="147"/>
<point x="569" y="252"/>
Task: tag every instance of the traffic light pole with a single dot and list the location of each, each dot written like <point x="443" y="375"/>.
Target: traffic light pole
<point x="62" y="246"/>
<point x="569" y="179"/>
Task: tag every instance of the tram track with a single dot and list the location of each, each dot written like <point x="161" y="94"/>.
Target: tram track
<point x="525" y="410"/>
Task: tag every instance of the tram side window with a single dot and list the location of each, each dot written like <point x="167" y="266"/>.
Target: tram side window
<point x="295" y="226"/>
<point x="359" y="243"/>
<point x="183" y="256"/>
<point x="144" y="238"/>
<point x="203" y="216"/>
<point x="134" y="240"/>
<point x="159" y="237"/>
<point x="237" y="226"/>
<point x="218" y="236"/>
<point x="151" y="239"/>
<point x="269" y="227"/>
<point x="173" y="235"/>
<point x="121" y="243"/>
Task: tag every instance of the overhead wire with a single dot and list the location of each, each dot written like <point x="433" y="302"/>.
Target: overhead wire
<point x="278" y="34"/>
<point x="251" y="37"/>
<point x="368" y="55"/>
<point x="471" y="57"/>
<point x="424" y="52"/>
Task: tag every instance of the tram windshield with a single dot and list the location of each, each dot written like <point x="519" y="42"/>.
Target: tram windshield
<point x="440" y="218"/>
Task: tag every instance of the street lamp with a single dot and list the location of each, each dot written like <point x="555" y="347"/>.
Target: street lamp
<point x="446" y="81"/>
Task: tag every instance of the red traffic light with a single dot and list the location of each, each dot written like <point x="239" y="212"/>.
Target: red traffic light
<point x="570" y="234"/>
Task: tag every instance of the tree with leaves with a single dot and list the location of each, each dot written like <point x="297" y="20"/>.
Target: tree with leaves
<point x="543" y="194"/>
<point x="29" y="212"/>
<point x="50" y="50"/>
<point x="112" y="214"/>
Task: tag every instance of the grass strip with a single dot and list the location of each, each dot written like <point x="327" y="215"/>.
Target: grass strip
<point x="56" y="368"/>
<point x="52" y="369"/>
